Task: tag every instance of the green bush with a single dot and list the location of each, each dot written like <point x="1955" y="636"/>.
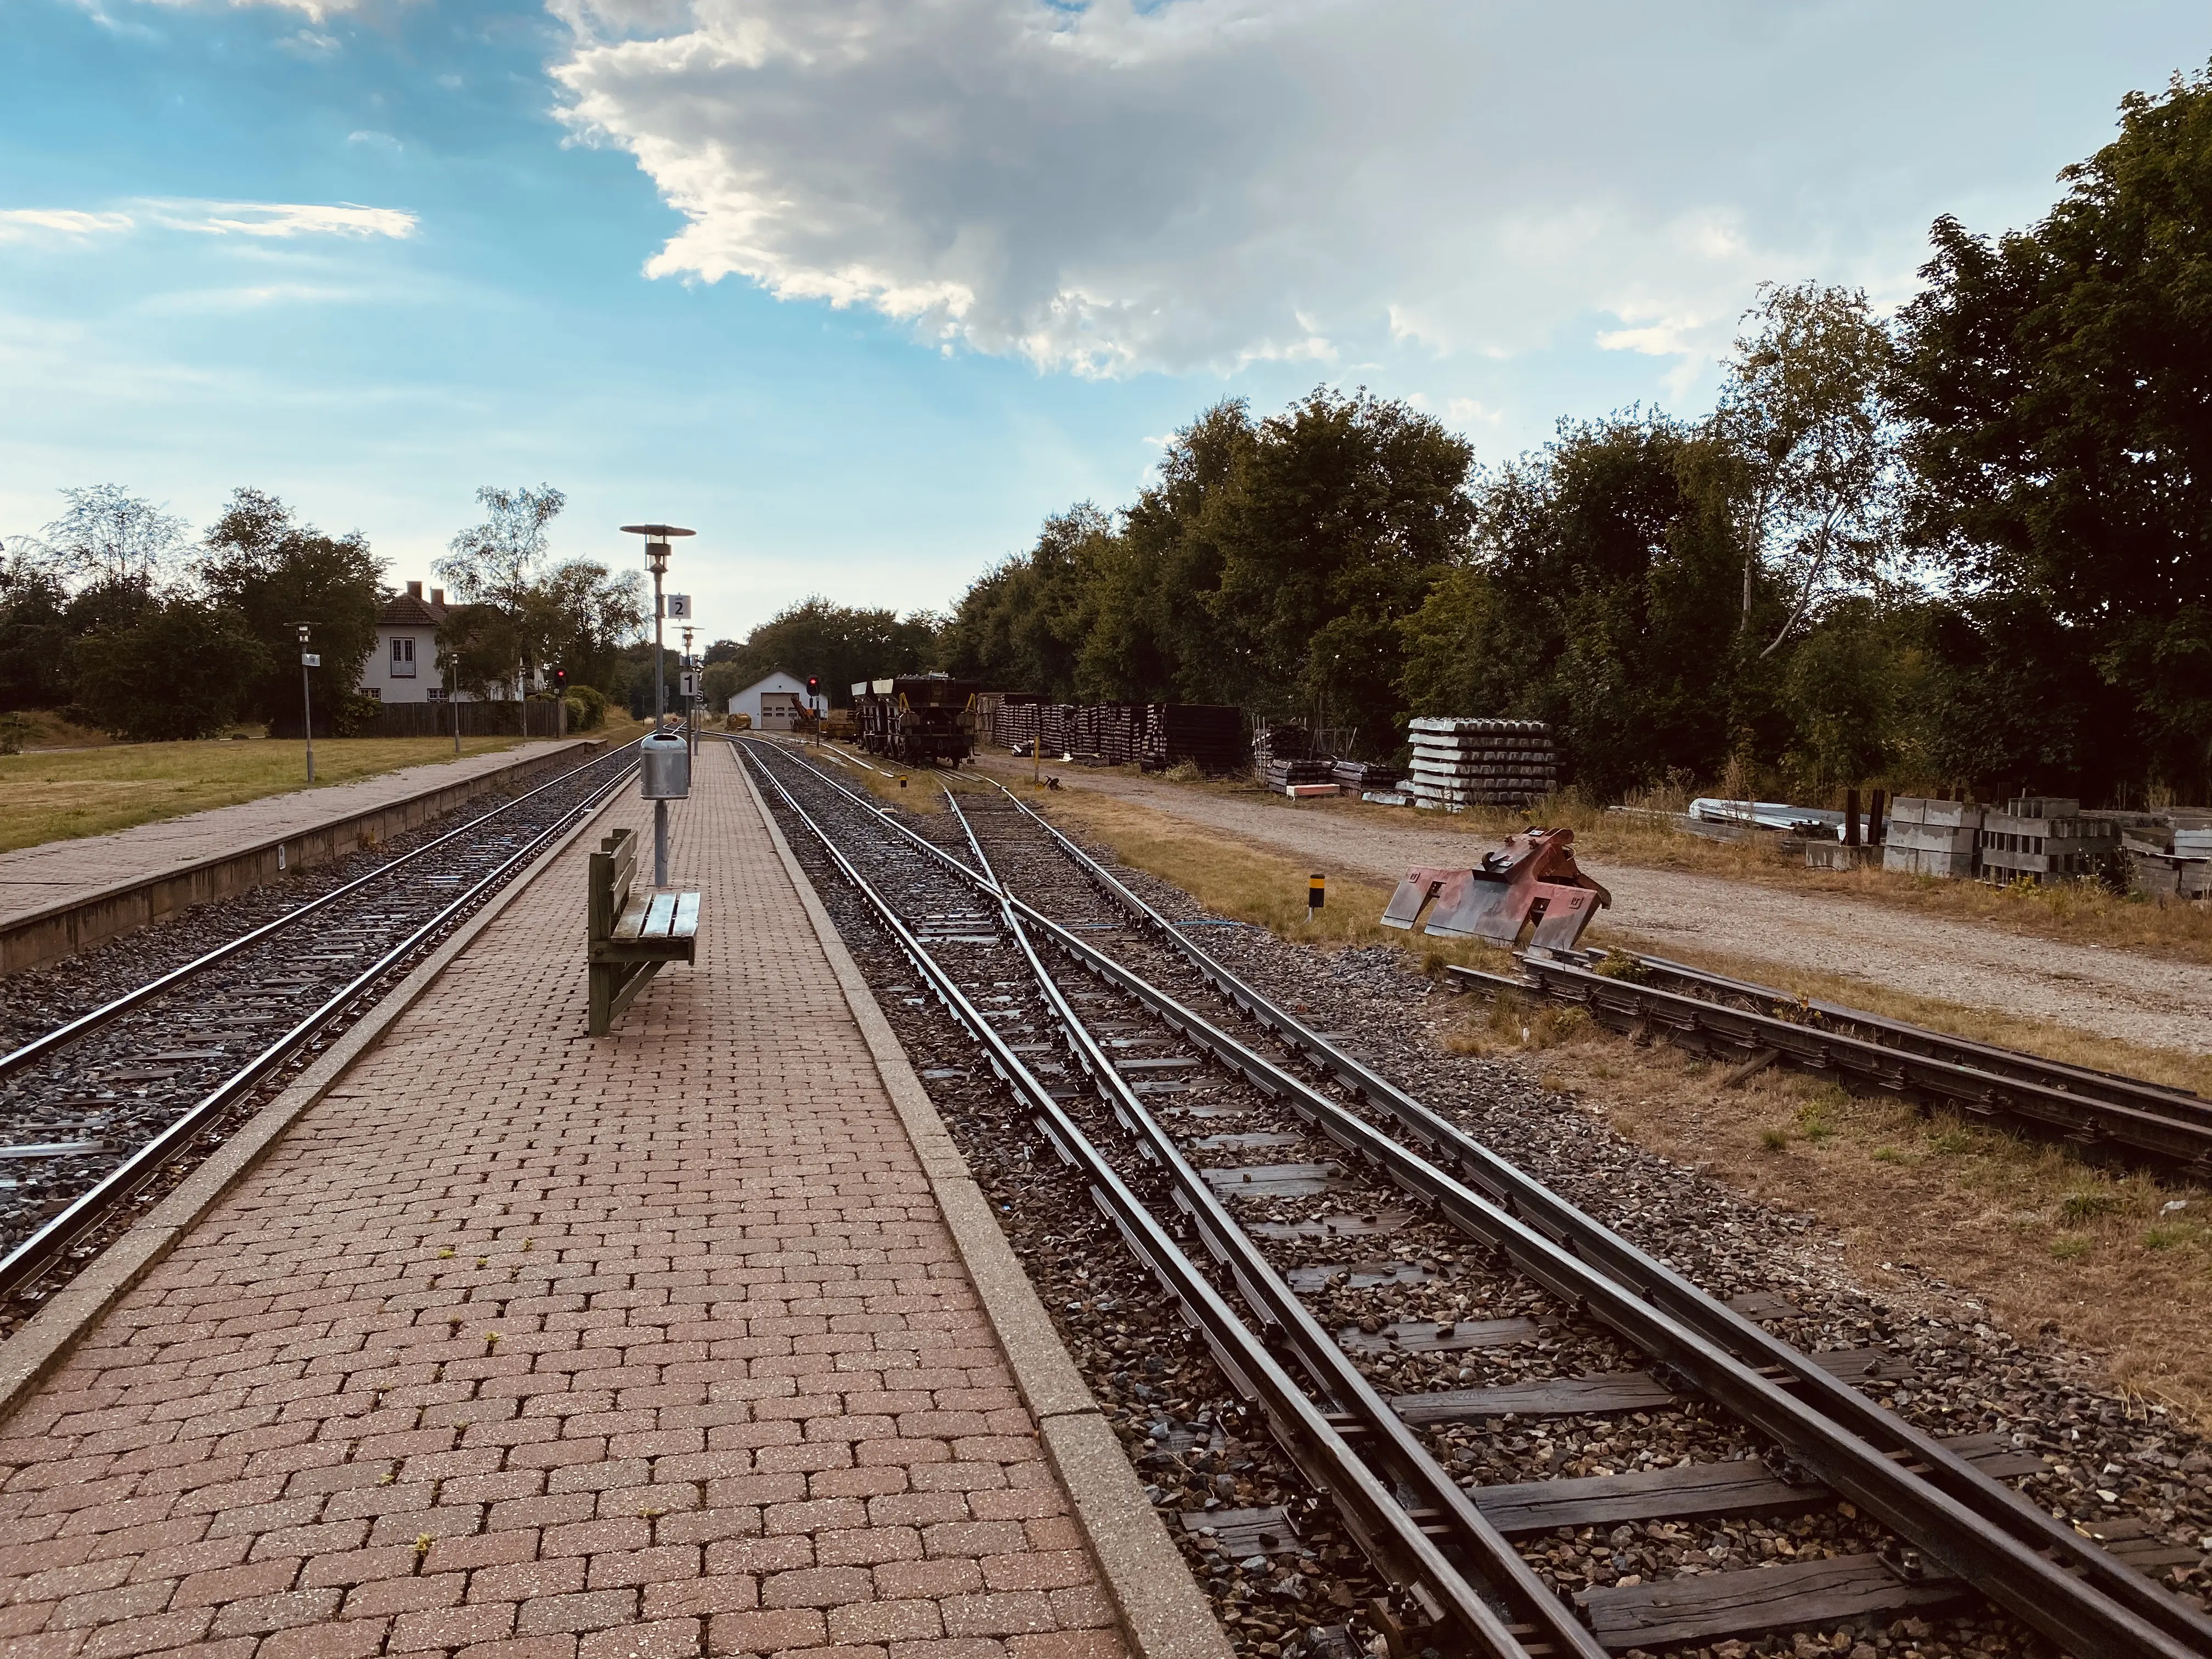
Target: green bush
<point x="587" y="708"/>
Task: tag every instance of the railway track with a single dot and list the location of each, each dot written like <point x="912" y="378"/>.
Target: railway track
<point x="2101" y="1114"/>
<point x="1164" y="1077"/>
<point x="100" y="1114"/>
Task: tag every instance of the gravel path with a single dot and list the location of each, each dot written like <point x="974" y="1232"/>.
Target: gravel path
<point x="2117" y="993"/>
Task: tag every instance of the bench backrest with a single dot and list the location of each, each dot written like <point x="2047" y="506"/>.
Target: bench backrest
<point x="614" y="866"/>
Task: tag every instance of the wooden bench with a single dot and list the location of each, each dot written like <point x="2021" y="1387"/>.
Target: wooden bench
<point x="631" y="934"/>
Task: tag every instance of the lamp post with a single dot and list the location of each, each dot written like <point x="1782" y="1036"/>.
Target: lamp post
<point x="307" y="660"/>
<point x="691" y="695"/>
<point x="657" y="538"/>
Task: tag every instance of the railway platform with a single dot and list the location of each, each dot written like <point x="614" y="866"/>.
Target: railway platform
<point x="694" y="1340"/>
<point x="63" y="895"/>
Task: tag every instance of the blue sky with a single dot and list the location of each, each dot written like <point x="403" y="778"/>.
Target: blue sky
<point x="864" y="290"/>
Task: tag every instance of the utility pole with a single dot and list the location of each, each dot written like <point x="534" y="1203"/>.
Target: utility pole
<point x="307" y="660"/>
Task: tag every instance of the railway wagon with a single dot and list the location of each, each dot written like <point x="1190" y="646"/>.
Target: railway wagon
<point x="917" y="719"/>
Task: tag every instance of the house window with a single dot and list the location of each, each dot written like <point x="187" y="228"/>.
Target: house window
<point x="402" y="656"/>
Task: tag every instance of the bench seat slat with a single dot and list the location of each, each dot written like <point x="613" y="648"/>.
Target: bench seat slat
<point x="632" y="924"/>
<point x="659" y="913"/>
<point x="686" y="915"/>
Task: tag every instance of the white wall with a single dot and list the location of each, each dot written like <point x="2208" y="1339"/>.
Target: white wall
<point x="377" y="674"/>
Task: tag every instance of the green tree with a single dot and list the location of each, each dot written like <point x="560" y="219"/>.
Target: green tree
<point x="106" y="535"/>
<point x="1346" y="511"/>
<point x="178" y="668"/>
<point x="838" y="644"/>
<point x="2056" y="391"/>
<point x="271" y="572"/>
<point x="1803" y="413"/>
<point x="578" y="615"/>
<point x="497" y="563"/>
<point x="1600" y="597"/>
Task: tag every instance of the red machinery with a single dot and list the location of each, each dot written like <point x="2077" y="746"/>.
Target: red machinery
<point x="1532" y="879"/>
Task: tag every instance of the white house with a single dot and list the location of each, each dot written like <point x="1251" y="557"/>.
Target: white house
<point x="773" y="703"/>
<point x="404" y="667"/>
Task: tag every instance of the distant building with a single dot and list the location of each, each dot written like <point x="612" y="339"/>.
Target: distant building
<point x="404" y="667"/>
<point x="773" y="703"/>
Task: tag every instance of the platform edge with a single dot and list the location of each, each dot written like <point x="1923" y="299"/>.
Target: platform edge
<point x="1162" y="1612"/>
<point x="45" y="1341"/>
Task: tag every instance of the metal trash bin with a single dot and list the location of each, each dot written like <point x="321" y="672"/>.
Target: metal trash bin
<point x="663" y="768"/>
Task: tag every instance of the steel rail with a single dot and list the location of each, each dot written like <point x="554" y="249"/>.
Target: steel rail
<point x="2043" y="1571"/>
<point x="39" y="1047"/>
<point x="1867" y="1454"/>
<point x="37" y="1254"/>
<point x="1932" y="1498"/>
<point x="2169" y="1132"/>
<point x="1395" y="1540"/>
<point x="2115" y="1086"/>
<point x="1319" y="1354"/>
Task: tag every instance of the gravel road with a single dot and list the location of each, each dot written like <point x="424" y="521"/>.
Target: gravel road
<point x="2116" y="993"/>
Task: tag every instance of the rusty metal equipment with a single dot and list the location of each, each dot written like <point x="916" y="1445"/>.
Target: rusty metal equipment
<point x="1531" y="880"/>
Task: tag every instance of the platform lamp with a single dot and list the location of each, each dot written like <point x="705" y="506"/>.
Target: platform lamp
<point x="691" y="695"/>
<point x="307" y="660"/>
<point x="657" y="538"/>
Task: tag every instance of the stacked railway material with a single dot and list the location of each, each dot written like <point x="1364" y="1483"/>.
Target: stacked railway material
<point x="2041" y="838"/>
<point x="1365" y="775"/>
<point x="1283" y="756"/>
<point x="2171" y="862"/>
<point x="1108" y="733"/>
<point x="1209" y="736"/>
<point x="1407" y="1342"/>
<point x="1932" y="837"/>
<point x="1462" y="762"/>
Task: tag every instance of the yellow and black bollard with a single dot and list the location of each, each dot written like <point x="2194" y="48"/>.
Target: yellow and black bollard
<point x="1317" y="895"/>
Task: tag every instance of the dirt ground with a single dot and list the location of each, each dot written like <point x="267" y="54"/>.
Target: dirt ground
<point x="2134" y="997"/>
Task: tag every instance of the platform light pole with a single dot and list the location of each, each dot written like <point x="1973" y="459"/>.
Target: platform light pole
<point x="657" y="538"/>
<point x="690" y="696"/>
<point x="307" y="660"/>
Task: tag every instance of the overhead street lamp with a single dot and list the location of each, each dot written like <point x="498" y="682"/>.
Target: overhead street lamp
<point x="307" y="660"/>
<point x="660" y="782"/>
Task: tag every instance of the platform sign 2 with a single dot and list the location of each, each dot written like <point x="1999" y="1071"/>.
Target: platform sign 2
<point x="678" y="607"/>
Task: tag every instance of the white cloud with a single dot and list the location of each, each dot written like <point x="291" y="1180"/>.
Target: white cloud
<point x="1113" y="187"/>
<point x="282" y="220"/>
<point x="266" y="220"/>
<point x="22" y="224"/>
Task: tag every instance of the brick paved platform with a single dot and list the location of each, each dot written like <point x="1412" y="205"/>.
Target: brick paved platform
<point x="33" y="879"/>
<point x="525" y="1346"/>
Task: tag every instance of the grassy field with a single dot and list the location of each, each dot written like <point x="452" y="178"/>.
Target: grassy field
<point x="92" y="791"/>
<point x="2115" y="1262"/>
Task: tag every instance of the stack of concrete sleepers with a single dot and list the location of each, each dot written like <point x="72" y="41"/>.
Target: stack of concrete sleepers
<point x="1462" y="763"/>
<point x="1932" y="837"/>
<point x="2173" y="862"/>
<point x="2042" y="838"/>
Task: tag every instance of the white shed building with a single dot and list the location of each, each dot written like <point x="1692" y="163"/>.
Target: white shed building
<point x="773" y="704"/>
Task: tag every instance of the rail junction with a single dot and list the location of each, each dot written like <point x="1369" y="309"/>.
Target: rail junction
<point x="1158" y="1075"/>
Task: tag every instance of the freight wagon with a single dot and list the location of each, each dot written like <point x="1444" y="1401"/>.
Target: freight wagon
<point x="917" y="719"/>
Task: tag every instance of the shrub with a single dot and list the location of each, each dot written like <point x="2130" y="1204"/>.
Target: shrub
<point x="588" y="708"/>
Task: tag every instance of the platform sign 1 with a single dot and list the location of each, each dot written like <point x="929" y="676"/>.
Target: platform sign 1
<point x="691" y="685"/>
<point x="679" y="607"/>
<point x="310" y="660"/>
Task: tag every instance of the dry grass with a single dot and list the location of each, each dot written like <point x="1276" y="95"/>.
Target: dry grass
<point x="2046" y="1241"/>
<point x="1237" y="879"/>
<point x="2076" y="912"/>
<point x="2113" y="1262"/>
<point x="63" y="796"/>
